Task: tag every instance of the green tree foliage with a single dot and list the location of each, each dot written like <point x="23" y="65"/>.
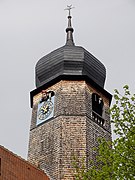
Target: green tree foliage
<point x="116" y="160"/>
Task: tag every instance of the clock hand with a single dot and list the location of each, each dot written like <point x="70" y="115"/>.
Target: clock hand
<point x="44" y="108"/>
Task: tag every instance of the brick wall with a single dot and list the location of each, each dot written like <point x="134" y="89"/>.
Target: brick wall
<point x="72" y="130"/>
<point x="13" y="167"/>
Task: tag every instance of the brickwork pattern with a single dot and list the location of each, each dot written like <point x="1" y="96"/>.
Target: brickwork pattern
<point x="16" y="168"/>
<point x="54" y="143"/>
<point x="71" y="131"/>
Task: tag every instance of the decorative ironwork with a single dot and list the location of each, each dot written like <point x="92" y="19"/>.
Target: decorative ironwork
<point x="69" y="7"/>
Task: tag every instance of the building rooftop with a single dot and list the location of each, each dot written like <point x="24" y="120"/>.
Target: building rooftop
<point x="14" y="167"/>
<point x="69" y="61"/>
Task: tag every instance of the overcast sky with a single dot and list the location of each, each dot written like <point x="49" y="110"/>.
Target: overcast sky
<point x="30" y="29"/>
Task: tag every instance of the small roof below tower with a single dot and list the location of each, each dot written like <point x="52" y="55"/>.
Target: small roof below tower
<point x="69" y="62"/>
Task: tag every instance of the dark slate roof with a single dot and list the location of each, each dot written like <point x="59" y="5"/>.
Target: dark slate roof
<point x="69" y="62"/>
<point x="72" y="61"/>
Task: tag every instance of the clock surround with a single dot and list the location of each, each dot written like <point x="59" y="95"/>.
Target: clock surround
<point x="45" y="109"/>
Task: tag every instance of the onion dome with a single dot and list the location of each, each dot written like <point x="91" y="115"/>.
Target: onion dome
<point x="69" y="62"/>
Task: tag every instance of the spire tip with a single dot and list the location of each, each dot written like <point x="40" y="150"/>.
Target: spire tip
<point x="69" y="29"/>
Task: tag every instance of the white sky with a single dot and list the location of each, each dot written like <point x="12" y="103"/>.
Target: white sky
<point x="30" y="29"/>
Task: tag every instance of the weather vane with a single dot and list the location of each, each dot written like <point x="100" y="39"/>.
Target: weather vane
<point x="69" y="8"/>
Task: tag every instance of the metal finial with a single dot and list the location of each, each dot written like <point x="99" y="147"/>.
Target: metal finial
<point x="69" y="7"/>
<point x="69" y="29"/>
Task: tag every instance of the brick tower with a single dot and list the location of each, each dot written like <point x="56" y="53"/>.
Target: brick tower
<point x="69" y="108"/>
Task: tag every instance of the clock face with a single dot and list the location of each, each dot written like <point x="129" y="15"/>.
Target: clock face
<point x="45" y="110"/>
